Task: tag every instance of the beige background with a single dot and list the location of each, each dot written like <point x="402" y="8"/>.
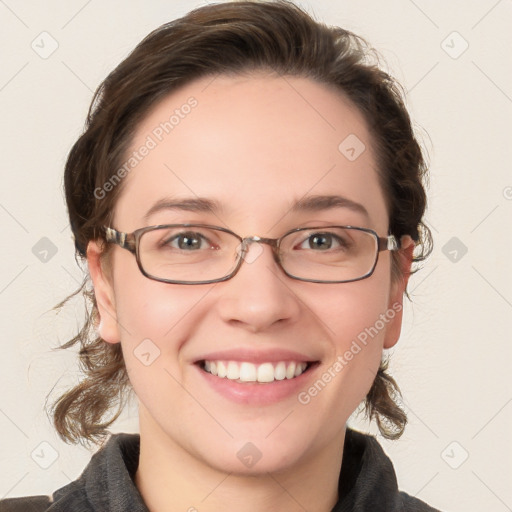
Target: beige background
<point x="453" y="360"/>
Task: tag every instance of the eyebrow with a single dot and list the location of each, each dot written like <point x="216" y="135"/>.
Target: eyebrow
<point x="314" y="203"/>
<point x="327" y="202"/>
<point x="200" y="204"/>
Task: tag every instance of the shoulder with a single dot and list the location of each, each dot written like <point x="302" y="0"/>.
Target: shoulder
<point x="411" y="504"/>
<point x="70" y="497"/>
<point x="107" y="479"/>
<point x="368" y="479"/>
<point x="29" y="504"/>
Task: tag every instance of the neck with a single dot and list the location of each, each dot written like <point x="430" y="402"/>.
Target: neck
<point x="169" y="478"/>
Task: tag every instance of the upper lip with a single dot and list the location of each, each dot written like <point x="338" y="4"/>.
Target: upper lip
<point x="255" y="356"/>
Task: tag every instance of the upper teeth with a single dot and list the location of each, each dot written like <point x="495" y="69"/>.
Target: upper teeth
<point x="249" y="372"/>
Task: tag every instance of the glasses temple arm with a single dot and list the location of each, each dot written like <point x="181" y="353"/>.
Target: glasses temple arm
<point x="124" y="240"/>
<point x="389" y="243"/>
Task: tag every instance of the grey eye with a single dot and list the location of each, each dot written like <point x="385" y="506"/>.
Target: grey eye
<point x="188" y="241"/>
<point x="322" y="241"/>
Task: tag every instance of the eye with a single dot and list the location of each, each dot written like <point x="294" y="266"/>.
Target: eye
<point x="187" y="241"/>
<point x="323" y="242"/>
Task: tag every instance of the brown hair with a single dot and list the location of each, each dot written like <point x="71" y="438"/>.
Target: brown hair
<point x="228" y="38"/>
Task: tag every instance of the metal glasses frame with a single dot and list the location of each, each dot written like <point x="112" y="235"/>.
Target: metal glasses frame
<point x="131" y="242"/>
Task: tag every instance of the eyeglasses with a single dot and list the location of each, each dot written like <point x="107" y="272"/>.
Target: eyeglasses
<point x="202" y="254"/>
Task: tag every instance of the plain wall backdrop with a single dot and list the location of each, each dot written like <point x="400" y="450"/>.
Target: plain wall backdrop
<point x="453" y="359"/>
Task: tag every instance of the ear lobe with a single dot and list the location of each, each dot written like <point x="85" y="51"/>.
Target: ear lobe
<point x="104" y="292"/>
<point x="396" y="297"/>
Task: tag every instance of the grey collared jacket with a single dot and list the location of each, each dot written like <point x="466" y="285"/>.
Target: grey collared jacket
<point x="367" y="482"/>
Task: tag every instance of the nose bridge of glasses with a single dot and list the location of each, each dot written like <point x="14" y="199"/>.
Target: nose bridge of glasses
<point x="247" y="241"/>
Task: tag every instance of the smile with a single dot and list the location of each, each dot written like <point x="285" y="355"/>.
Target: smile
<point x="242" y="371"/>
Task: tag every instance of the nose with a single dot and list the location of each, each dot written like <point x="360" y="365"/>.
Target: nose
<point x="260" y="295"/>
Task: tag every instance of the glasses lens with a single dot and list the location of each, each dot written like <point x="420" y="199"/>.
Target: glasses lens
<point x="188" y="253"/>
<point x="329" y="254"/>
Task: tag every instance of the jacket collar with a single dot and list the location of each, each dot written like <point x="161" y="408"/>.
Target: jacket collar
<point x="367" y="478"/>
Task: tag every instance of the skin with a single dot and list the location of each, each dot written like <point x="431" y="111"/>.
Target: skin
<point x="254" y="143"/>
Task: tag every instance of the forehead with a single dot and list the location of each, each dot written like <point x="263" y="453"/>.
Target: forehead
<point x="255" y="144"/>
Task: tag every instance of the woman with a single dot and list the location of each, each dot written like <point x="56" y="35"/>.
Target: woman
<point x="248" y="196"/>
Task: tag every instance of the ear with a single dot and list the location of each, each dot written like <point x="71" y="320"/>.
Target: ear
<point x="396" y="296"/>
<point x="104" y="292"/>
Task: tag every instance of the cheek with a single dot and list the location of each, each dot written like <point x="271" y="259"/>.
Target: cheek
<point x="147" y="308"/>
<point x="154" y="318"/>
<point x="355" y="316"/>
<point x="351" y="309"/>
<point x="160" y="312"/>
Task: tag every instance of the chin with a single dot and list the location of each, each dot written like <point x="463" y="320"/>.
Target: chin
<point x="253" y="456"/>
<point x="249" y="460"/>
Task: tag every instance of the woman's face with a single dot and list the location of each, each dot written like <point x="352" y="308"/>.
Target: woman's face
<point x="254" y="146"/>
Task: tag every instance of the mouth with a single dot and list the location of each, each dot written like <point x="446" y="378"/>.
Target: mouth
<point x="244" y="372"/>
<point x="256" y="377"/>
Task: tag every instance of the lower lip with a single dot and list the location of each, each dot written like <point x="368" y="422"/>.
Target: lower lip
<point x="257" y="393"/>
